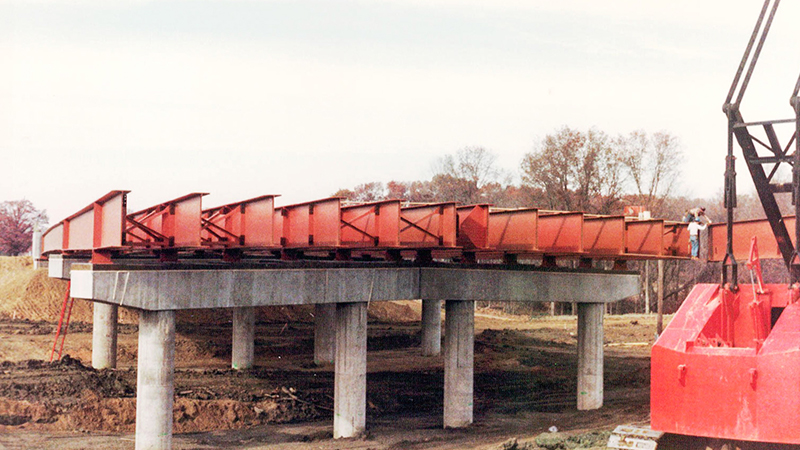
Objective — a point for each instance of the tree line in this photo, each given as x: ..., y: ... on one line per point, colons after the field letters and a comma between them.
x: 569, y: 170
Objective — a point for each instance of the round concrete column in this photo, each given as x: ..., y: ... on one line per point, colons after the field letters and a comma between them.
x: 104, y: 335
x: 350, y: 382
x: 459, y: 347
x: 36, y: 246
x: 244, y: 334
x: 155, y: 380
x: 590, y: 355
x: 431, y: 327
x: 324, y: 333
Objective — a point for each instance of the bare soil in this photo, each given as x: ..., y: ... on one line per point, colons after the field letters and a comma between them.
x: 525, y: 383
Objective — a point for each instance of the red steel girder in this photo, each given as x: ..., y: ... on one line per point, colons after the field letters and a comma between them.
x: 473, y: 231
x: 309, y: 224
x: 429, y: 225
x: 514, y: 230
x: 560, y: 232
x: 604, y: 235
x: 172, y: 224
x: 375, y: 224
x: 473, y: 227
x: 644, y: 237
x: 743, y: 232
x: 676, y: 239
x: 246, y: 223
x: 96, y: 227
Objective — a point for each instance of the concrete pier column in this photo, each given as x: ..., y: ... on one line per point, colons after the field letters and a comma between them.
x: 459, y: 346
x: 590, y: 355
x: 324, y: 333
x: 155, y: 380
x: 36, y: 246
x: 104, y: 335
x: 350, y: 382
x: 431, y: 327
x: 244, y: 334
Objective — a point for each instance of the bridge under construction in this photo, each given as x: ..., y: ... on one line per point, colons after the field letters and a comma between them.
x: 339, y: 257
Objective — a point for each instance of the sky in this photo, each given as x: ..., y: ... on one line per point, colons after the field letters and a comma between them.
x: 301, y: 98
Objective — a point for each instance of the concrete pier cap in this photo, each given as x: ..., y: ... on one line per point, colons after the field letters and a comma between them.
x: 155, y: 290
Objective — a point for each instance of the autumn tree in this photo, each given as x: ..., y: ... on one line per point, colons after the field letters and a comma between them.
x: 464, y: 176
x: 365, y: 192
x: 18, y: 219
x: 652, y: 165
x: 576, y: 170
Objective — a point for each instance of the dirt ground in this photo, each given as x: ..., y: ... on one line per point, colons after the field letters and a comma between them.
x: 525, y: 384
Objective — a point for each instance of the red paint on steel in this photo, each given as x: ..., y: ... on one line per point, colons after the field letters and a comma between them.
x: 60, y: 321
x: 514, y: 230
x: 375, y: 224
x: 429, y: 225
x: 604, y: 235
x: 754, y: 264
x: 97, y: 226
x: 742, y: 233
x: 309, y: 224
x: 644, y: 237
x: 66, y: 327
x: 676, y: 239
x: 473, y: 227
x: 175, y: 223
x: 560, y: 232
x: 241, y: 224
x: 724, y: 368
x: 473, y: 232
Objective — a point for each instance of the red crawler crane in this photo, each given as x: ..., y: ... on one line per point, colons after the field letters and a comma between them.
x: 726, y: 371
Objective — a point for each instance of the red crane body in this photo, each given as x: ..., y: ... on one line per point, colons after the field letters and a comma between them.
x: 728, y: 365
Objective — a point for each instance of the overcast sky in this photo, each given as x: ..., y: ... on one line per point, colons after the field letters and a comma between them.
x: 301, y: 98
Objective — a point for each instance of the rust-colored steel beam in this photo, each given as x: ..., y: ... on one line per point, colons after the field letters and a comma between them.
x: 98, y: 226
x: 560, y: 232
x: 173, y: 224
x: 473, y: 227
x: 743, y: 232
x: 241, y: 224
x: 644, y: 237
x: 676, y: 239
x: 375, y: 224
x: 309, y: 224
x: 429, y: 225
x: 466, y: 233
x: 604, y: 235
x: 514, y: 230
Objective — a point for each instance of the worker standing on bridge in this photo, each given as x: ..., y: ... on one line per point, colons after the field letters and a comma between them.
x: 695, y: 215
x: 694, y: 236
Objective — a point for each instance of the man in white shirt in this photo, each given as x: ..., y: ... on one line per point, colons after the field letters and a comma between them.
x: 694, y: 236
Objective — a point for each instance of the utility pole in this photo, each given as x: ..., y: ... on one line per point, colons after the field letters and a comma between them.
x: 660, y: 320
x: 647, y: 287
